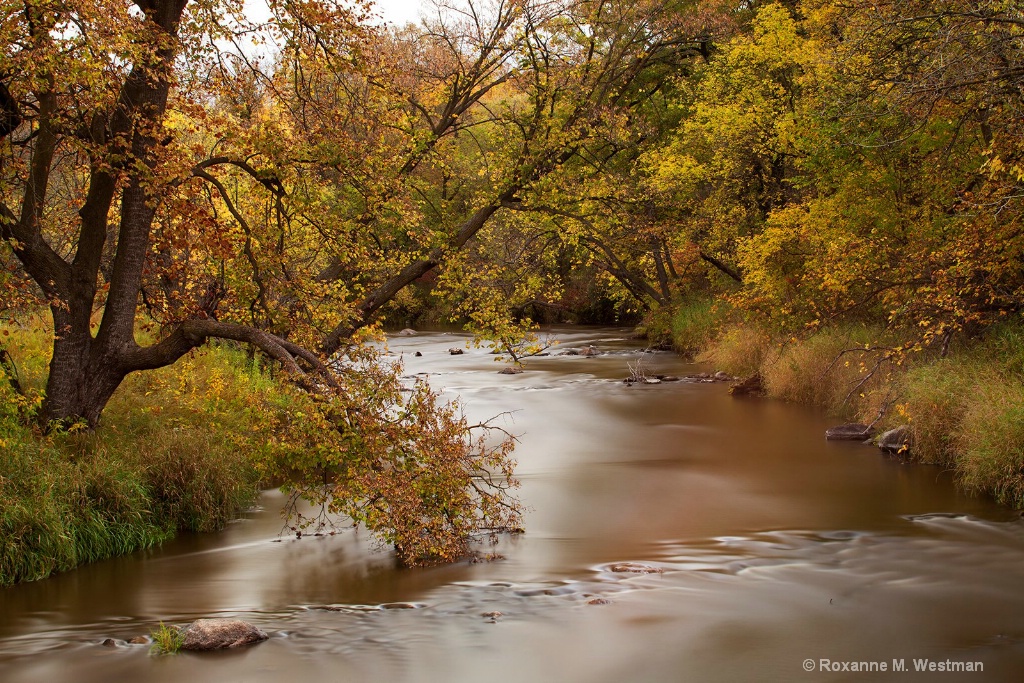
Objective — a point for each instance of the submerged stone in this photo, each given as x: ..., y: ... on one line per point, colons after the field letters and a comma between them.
x: 849, y: 432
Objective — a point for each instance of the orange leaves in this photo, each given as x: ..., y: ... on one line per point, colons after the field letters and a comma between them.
x: 396, y: 460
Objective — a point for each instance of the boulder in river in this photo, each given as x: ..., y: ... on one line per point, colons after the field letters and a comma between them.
x: 724, y: 377
x: 897, y: 440
x: 589, y: 351
x: 455, y: 351
x: 510, y: 371
x: 408, y: 332
x: 218, y: 634
x: 854, y: 431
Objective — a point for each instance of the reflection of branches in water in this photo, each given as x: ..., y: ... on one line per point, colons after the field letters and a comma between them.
x: 297, y: 523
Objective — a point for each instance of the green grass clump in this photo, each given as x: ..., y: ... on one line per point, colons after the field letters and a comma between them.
x: 991, y: 441
x: 167, y: 640
x: 695, y: 325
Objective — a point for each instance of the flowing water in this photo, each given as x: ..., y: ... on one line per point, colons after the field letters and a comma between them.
x: 756, y: 546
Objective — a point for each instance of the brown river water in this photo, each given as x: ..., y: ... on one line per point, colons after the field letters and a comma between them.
x: 781, y: 557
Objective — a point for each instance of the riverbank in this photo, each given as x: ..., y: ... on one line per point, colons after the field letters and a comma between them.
x: 964, y: 407
x: 179, y: 451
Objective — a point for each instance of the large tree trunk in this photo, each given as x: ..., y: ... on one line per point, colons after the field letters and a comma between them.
x: 85, y: 371
x: 79, y: 386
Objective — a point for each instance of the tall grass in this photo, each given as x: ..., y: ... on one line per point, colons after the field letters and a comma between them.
x: 695, y: 324
x: 991, y: 442
x: 967, y: 414
x: 832, y: 368
x: 741, y: 350
x: 178, y: 450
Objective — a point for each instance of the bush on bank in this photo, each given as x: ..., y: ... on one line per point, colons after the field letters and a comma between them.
x: 966, y: 410
x: 179, y: 451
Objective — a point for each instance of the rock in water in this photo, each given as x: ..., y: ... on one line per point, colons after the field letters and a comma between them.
x: 407, y: 332
x: 510, y: 371
x: 849, y: 432
x: 751, y: 386
x: 219, y: 634
x: 455, y: 351
x: 897, y: 440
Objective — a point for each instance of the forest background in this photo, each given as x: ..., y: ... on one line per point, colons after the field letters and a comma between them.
x: 205, y: 216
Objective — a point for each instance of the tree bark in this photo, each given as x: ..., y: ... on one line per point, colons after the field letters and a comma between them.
x: 85, y: 371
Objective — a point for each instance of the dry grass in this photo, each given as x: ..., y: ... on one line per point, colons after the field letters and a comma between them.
x: 832, y: 369
x: 740, y: 351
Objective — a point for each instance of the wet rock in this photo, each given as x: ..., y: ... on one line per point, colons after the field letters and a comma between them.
x: 510, y: 371
x: 218, y: 634
x: 634, y: 568
x: 751, y: 386
x: 854, y: 431
x: 897, y: 440
x: 651, y: 380
x: 140, y: 640
x: 110, y: 642
x: 570, y: 352
x: 418, y: 354
x: 599, y: 601
x: 723, y: 377
x: 669, y: 378
x: 408, y: 332
x: 590, y: 351
x: 492, y: 615
x: 455, y: 351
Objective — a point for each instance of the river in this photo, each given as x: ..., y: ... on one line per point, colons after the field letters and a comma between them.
x: 769, y: 555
